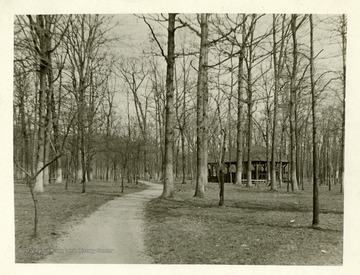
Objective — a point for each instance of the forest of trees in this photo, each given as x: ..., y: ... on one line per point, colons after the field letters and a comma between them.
x: 92, y: 100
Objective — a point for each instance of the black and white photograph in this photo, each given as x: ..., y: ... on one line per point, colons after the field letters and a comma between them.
x: 207, y: 140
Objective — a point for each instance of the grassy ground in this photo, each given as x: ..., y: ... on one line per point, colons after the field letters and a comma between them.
x: 59, y: 210
x: 256, y: 227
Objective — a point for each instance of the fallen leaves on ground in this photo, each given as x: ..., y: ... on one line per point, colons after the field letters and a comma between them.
x: 257, y: 227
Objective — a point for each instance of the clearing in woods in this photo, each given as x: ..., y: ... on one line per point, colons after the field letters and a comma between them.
x: 256, y: 227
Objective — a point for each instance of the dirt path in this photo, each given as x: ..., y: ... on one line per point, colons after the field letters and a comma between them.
x: 112, y: 234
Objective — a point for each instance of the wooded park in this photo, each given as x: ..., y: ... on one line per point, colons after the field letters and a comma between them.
x: 225, y: 112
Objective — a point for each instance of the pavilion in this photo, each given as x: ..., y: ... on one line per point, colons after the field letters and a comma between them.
x: 259, y: 167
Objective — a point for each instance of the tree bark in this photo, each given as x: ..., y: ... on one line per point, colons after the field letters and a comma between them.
x: 276, y: 88
x: 229, y: 118
x: 240, y: 92
x: 315, y: 221
x: 343, y: 31
x: 202, y: 90
x: 250, y: 100
x: 40, y: 32
x: 55, y: 121
x: 168, y: 190
x: 36, y: 124
x: 48, y: 121
x: 46, y: 174
x: 293, y: 174
x: 221, y: 169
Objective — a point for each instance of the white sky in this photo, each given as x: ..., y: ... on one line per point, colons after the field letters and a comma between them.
x: 135, y: 35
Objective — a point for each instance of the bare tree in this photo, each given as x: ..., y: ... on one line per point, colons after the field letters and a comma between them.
x: 40, y: 30
x: 222, y: 168
x: 181, y: 108
x: 201, y: 111
x: 343, y: 33
x: 135, y: 74
x: 168, y: 190
x: 278, y: 63
x: 250, y: 60
x: 86, y: 40
x: 293, y: 90
x: 240, y: 106
x: 158, y: 92
x: 315, y: 222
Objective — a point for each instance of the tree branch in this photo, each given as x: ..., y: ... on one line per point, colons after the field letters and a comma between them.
x: 155, y: 38
x: 190, y: 27
x: 22, y: 169
x: 47, y: 164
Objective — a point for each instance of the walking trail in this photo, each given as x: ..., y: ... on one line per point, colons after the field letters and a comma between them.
x: 114, y: 233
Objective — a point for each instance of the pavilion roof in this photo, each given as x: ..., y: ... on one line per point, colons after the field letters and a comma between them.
x: 258, y: 153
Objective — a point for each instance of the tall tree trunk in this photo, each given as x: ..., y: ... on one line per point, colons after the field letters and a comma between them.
x: 268, y: 152
x: 182, y: 129
x: 249, y: 142
x: 329, y: 166
x: 24, y: 130
x: 202, y: 91
x: 183, y: 156
x: 221, y: 169
x: 55, y: 121
x: 158, y: 164
x: 229, y: 117
x: 297, y: 140
x: 239, y: 137
x: 276, y: 88
x: 293, y: 174
x: 83, y: 163
x: 43, y: 67
x: 122, y: 180
x: 315, y: 221
x: 107, y: 170
x: 343, y: 31
x: 46, y: 174
x: 29, y: 181
x: 36, y: 123
x: 250, y: 98
x: 168, y: 190
x: 81, y: 125
x: 280, y: 156
x: 79, y: 160
x: 48, y: 122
